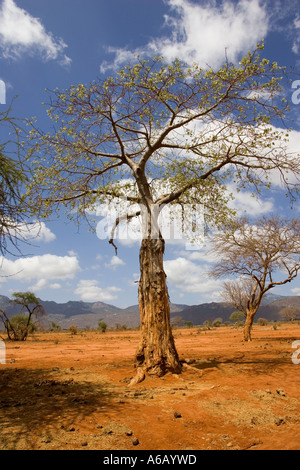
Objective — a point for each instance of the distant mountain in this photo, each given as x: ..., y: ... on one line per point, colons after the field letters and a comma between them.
x: 269, y: 310
x: 198, y: 314
x: 270, y: 298
x: 88, y: 314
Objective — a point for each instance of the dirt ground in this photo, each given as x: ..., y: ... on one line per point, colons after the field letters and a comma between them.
x: 61, y: 391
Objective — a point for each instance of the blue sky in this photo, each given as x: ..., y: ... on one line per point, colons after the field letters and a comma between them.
x: 56, y: 43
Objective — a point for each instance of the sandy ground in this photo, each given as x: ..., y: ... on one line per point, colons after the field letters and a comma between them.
x: 59, y: 391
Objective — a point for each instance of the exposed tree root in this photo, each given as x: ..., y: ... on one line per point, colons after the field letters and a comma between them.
x: 141, y: 373
x: 138, y: 378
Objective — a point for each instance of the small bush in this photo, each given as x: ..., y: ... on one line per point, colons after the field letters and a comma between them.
x: 73, y: 329
x: 207, y: 324
x: 102, y: 326
x: 262, y: 322
x: 238, y: 318
x: 18, y: 327
x: 55, y: 327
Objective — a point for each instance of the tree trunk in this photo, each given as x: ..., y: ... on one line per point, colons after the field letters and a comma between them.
x: 156, y: 353
x: 248, y: 324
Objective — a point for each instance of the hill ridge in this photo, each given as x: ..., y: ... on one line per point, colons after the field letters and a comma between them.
x: 88, y: 314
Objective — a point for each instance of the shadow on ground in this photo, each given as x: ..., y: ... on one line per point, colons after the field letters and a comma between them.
x: 259, y: 365
x: 32, y: 401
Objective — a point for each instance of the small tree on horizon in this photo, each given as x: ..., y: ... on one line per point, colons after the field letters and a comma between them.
x: 238, y: 317
x: 19, y: 326
x: 263, y: 255
x: 290, y: 313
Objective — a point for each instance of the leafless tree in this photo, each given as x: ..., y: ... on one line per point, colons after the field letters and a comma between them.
x: 263, y: 255
x: 290, y: 313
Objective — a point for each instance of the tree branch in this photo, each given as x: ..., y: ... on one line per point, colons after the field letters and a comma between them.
x: 126, y: 217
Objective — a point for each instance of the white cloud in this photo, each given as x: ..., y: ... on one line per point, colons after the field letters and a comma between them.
x: 39, y: 285
x: 203, y: 32
x: 44, y: 284
x: 22, y: 33
x: 245, y: 203
x: 40, y: 268
x: 36, y: 231
x: 296, y: 291
x: 72, y: 253
x: 89, y: 291
x: 292, y: 150
x: 55, y: 285
x: 296, y: 44
x: 115, y: 262
x: 188, y: 276
x: 204, y: 255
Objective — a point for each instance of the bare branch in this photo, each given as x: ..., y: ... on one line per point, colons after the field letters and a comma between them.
x: 126, y: 217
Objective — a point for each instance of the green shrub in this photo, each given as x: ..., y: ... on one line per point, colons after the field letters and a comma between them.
x: 19, y: 327
x: 238, y: 318
x: 102, y: 326
x: 217, y: 322
x: 55, y: 327
x: 188, y: 324
x: 262, y: 322
x: 73, y: 329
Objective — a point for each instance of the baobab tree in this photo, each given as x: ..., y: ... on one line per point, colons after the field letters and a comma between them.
x: 191, y: 129
x: 263, y: 255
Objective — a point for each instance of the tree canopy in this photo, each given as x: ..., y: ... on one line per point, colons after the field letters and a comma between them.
x: 191, y: 129
x: 13, y: 208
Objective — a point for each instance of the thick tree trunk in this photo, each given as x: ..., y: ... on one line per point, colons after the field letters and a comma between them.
x: 248, y: 324
x: 156, y: 353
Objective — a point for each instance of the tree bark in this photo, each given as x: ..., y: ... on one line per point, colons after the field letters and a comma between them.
x: 156, y: 353
x: 248, y: 324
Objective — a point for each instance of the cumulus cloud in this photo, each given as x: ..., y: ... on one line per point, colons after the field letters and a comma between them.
x: 36, y: 231
x: 204, y: 33
x: 188, y: 276
x: 22, y: 33
x: 90, y: 291
x: 40, y: 268
x: 44, y: 284
x: 296, y: 43
x: 200, y: 33
x: 245, y: 203
x: 115, y: 261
